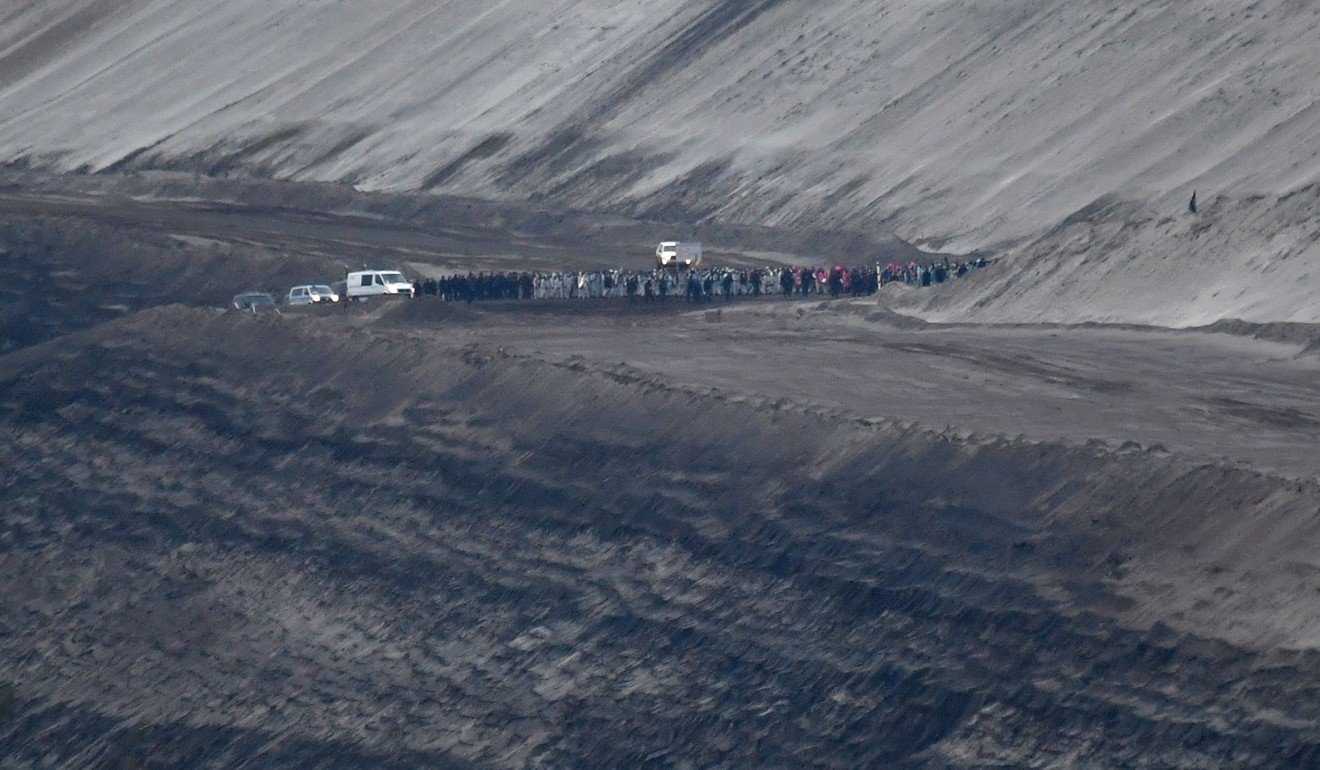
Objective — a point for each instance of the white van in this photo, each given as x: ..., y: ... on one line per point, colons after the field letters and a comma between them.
x: 675, y: 253
x: 370, y: 283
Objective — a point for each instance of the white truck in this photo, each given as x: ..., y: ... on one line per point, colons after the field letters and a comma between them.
x: 676, y: 253
x: 370, y: 283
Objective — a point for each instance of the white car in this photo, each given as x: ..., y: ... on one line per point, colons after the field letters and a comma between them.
x: 371, y: 283
x: 674, y: 253
x: 310, y: 294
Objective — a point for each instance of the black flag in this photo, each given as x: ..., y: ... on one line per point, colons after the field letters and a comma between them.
x: 1192, y: 206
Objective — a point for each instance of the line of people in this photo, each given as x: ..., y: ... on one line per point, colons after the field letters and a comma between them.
x: 696, y: 285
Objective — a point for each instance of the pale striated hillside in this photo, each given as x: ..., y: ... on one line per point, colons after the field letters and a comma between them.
x: 958, y: 125
x: 1255, y: 258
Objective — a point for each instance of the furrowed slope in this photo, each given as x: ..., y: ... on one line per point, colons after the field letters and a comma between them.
x: 239, y: 537
x: 1253, y: 258
x: 957, y: 124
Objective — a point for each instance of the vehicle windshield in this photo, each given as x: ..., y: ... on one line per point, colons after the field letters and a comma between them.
x: 322, y: 290
x: 394, y: 278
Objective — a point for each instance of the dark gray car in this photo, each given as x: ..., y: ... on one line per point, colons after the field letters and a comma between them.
x: 255, y: 301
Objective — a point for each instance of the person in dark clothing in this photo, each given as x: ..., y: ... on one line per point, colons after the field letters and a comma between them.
x: 630, y: 286
x: 786, y: 283
x: 925, y: 277
x: 727, y: 285
x: 708, y: 287
x: 648, y: 290
x: 693, y: 288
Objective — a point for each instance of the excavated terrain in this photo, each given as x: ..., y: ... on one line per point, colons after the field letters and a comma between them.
x: 1062, y: 512
x: 597, y: 534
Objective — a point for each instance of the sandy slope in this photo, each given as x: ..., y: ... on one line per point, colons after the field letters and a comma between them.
x: 1255, y: 258
x: 958, y: 123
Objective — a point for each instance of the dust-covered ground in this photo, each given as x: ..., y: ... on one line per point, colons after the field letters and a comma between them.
x: 599, y: 534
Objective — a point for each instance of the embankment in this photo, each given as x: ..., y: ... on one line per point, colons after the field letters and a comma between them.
x: 239, y: 537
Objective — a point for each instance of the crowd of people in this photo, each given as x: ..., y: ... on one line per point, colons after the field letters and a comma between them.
x: 696, y: 285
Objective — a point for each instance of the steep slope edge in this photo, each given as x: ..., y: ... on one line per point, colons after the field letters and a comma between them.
x: 399, y: 546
